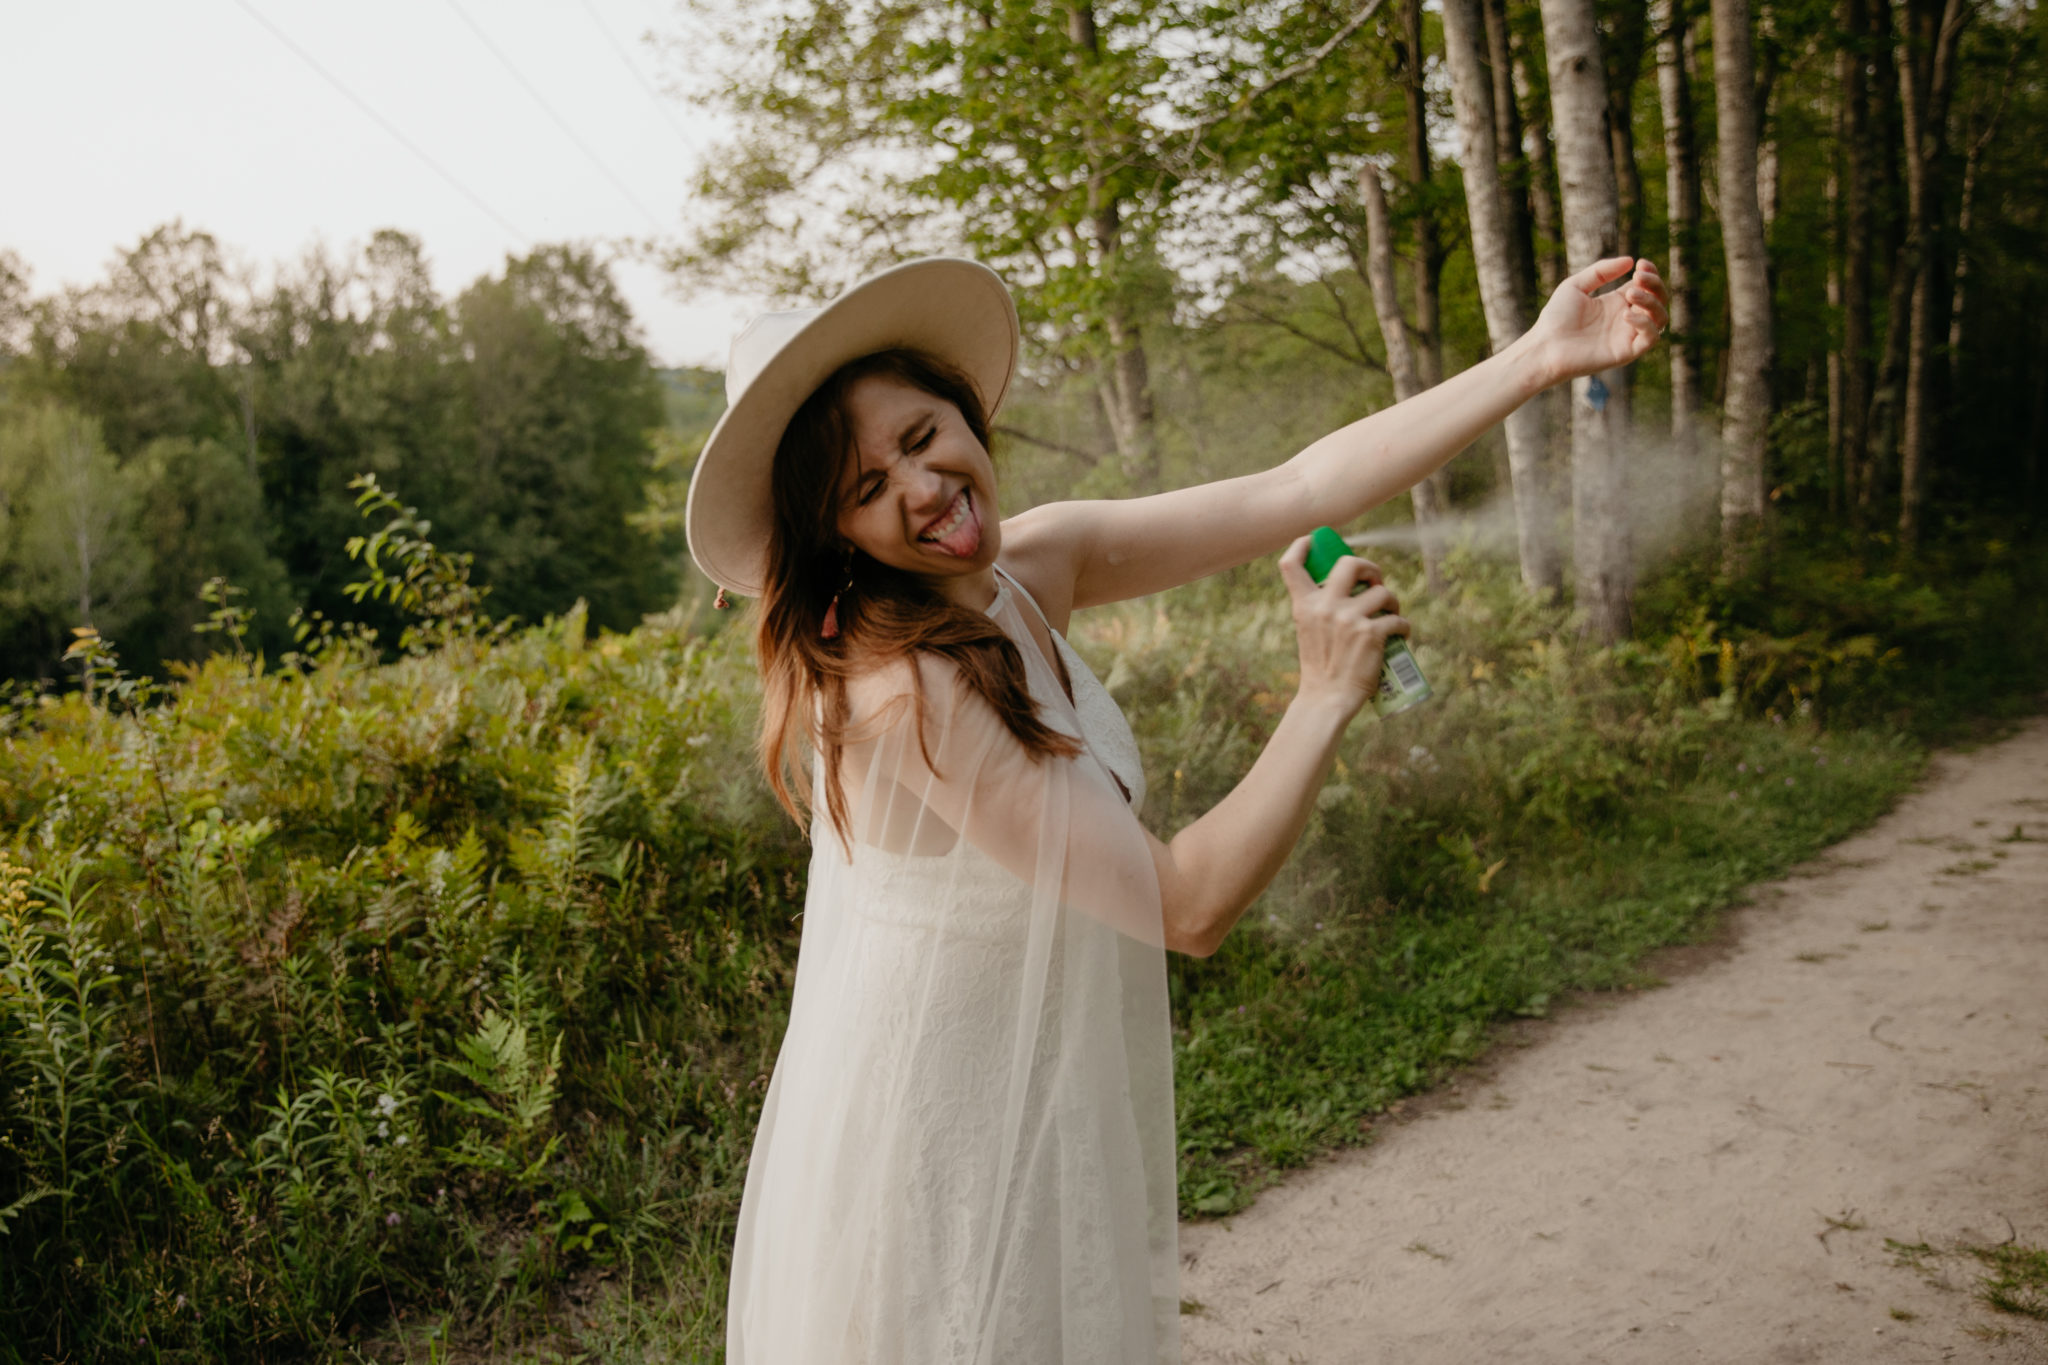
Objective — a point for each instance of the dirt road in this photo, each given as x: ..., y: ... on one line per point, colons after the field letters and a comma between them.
x: 1786, y: 1154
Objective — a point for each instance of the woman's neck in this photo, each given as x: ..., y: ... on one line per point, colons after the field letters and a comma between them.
x: 975, y: 591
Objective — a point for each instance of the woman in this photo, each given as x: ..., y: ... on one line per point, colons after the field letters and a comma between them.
x: 966, y: 1152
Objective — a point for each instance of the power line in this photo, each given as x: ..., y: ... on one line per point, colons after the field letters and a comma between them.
x: 653, y: 95
x: 386, y: 124
x: 560, y: 122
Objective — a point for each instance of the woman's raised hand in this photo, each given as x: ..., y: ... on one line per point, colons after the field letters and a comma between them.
x: 1343, y: 643
x: 1582, y: 334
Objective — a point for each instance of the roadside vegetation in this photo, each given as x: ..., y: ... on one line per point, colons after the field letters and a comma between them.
x: 389, y: 1005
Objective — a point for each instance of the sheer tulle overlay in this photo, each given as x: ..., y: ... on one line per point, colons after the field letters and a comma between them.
x: 966, y: 1153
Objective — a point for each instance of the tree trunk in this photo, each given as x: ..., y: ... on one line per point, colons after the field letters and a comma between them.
x: 1926, y: 80
x: 1126, y: 390
x: 1682, y: 193
x: 1858, y: 226
x: 1536, y: 151
x: 1832, y: 195
x: 1960, y: 295
x: 1627, y: 28
x: 1971, y: 160
x: 1493, y: 256
x: 1430, y: 252
x: 1401, y: 355
x: 1600, y: 403
x: 1507, y: 144
x: 1886, y: 137
x: 1746, y: 417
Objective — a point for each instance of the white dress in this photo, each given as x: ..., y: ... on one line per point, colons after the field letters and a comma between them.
x: 966, y: 1153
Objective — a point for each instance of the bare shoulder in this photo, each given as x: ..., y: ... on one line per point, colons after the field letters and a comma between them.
x: 889, y: 691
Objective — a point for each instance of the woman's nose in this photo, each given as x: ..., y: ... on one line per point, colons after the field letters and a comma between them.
x: 923, y: 489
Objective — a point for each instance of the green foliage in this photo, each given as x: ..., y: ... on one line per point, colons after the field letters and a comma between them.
x: 168, y: 426
x: 353, y: 985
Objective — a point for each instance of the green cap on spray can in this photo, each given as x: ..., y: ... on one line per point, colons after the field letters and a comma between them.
x: 1401, y: 682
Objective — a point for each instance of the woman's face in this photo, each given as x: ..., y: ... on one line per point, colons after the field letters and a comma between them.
x: 919, y: 493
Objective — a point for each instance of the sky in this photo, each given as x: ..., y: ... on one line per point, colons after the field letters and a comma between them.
x: 126, y: 115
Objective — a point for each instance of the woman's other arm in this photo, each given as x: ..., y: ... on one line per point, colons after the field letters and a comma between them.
x: 1216, y: 867
x: 1112, y: 550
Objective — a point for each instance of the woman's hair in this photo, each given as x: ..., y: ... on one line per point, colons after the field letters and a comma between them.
x: 885, y: 616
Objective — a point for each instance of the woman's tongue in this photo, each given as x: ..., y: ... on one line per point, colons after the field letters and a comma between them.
x: 963, y: 540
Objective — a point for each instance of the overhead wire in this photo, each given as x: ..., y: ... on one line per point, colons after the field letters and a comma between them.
x: 625, y: 60
x: 386, y: 124
x: 589, y: 153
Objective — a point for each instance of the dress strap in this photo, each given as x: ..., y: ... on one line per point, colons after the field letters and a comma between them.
x: 1025, y: 593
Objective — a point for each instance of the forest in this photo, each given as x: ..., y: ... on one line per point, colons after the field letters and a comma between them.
x: 395, y: 934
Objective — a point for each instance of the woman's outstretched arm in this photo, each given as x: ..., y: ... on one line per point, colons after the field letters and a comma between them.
x: 1112, y: 550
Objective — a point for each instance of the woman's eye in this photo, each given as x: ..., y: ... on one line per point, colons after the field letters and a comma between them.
x: 868, y: 491
x: 921, y: 442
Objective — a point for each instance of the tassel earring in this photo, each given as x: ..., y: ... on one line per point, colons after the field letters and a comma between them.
x: 829, y: 630
x: 721, y: 602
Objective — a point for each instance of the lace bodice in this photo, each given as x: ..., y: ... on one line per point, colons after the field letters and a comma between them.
x: 1103, y: 727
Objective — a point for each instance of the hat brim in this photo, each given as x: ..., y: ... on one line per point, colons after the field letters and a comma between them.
x: 957, y: 310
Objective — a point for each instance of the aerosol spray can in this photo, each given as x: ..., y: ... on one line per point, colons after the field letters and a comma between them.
x: 1401, y: 682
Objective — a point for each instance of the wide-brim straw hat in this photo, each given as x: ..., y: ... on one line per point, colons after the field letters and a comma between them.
x: 956, y: 310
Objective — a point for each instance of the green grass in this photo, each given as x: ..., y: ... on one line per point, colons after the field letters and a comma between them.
x: 2018, y: 1280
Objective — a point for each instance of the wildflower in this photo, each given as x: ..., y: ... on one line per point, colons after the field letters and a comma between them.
x: 1319, y: 924
x: 1731, y: 796
x: 401, y: 1140
x: 1788, y: 781
x: 387, y: 1105
x: 384, y: 1129
x: 179, y: 1305
x: 391, y: 1219
x: 697, y: 741
x: 1742, y: 767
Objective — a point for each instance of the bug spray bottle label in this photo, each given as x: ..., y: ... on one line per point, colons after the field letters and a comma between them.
x: 1401, y: 682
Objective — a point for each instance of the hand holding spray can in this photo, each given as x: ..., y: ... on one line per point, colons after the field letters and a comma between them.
x: 1401, y: 682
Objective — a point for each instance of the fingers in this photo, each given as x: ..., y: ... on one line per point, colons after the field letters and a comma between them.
x: 1648, y: 297
x: 1350, y: 571
x: 1294, y: 569
x: 1601, y: 272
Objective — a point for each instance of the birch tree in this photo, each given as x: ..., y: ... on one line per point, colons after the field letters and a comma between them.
x: 1682, y: 197
x: 1601, y: 542
x: 1501, y: 293
x: 1510, y: 155
x: 1404, y: 365
x: 1933, y: 32
x: 1746, y: 413
x: 1858, y: 225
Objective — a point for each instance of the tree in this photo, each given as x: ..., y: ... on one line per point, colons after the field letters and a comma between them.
x: 561, y: 401
x: 1501, y: 291
x: 1858, y: 225
x: 1031, y: 134
x: 1509, y: 154
x: 71, y: 550
x: 1933, y: 31
x: 1746, y: 414
x: 1601, y: 538
x: 1682, y: 200
x: 1403, y: 363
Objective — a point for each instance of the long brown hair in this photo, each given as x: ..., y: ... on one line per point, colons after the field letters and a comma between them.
x: 886, y: 615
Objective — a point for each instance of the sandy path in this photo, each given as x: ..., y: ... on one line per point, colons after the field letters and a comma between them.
x: 1647, y: 1178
